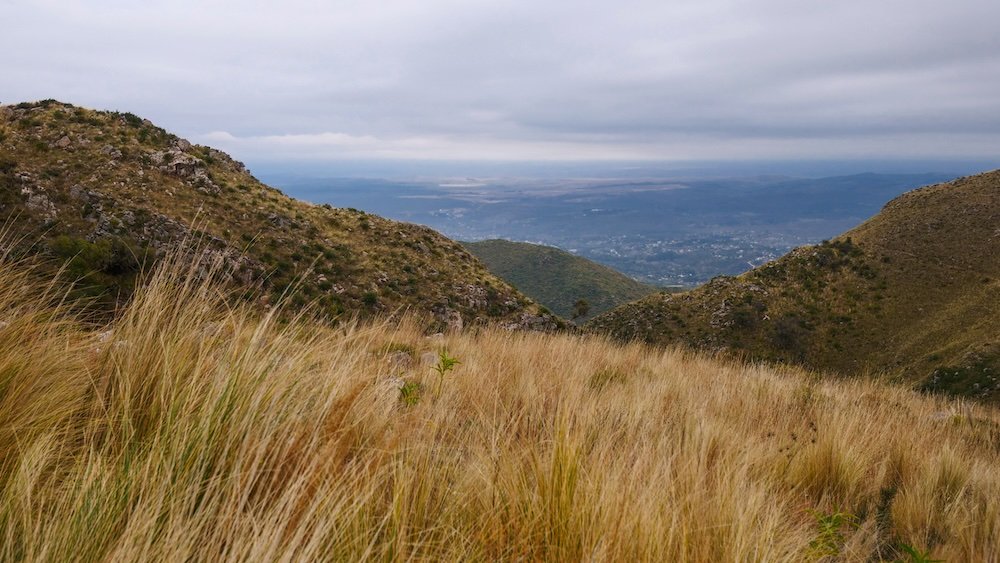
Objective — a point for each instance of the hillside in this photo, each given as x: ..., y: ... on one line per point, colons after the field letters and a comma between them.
x: 558, y: 279
x: 111, y: 193
x: 191, y: 430
x: 914, y: 292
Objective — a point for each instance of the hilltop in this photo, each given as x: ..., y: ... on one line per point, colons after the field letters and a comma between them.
x: 558, y: 279
x: 110, y: 193
x: 914, y: 292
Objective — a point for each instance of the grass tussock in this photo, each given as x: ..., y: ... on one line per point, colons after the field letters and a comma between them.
x: 192, y: 430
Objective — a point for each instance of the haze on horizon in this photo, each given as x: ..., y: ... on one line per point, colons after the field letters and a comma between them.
x: 314, y: 82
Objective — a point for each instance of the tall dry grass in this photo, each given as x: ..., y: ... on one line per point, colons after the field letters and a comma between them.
x: 190, y: 429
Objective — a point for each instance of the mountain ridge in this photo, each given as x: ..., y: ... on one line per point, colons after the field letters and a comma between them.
x: 105, y: 192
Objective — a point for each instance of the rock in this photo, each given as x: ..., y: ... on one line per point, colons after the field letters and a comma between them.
x: 428, y: 358
x: 451, y: 318
x: 64, y: 142
x: 183, y: 144
x: 401, y: 359
x: 476, y: 297
x: 533, y: 323
x: 387, y: 390
x: 279, y: 221
x: 39, y: 202
x: 454, y: 321
x: 111, y: 151
x: 177, y: 163
x: 204, y: 183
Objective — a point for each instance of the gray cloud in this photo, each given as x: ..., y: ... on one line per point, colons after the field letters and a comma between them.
x: 449, y: 79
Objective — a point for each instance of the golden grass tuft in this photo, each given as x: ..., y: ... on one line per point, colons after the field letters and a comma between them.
x: 190, y: 429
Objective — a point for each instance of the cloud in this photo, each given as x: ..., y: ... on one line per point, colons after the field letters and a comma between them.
x: 477, y: 79
x: 342, y: 146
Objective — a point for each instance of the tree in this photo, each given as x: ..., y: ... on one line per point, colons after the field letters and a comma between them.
x: 580, y: 308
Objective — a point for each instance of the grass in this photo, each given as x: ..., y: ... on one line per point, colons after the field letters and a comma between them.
x: 192, y: 429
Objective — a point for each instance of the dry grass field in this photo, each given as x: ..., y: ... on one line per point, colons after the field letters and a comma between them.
x: 190, y: 429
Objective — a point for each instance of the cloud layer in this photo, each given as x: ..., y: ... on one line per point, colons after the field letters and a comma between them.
x: 519, y: 80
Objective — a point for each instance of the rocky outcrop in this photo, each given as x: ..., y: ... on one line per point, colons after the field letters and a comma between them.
x: 177, y: 162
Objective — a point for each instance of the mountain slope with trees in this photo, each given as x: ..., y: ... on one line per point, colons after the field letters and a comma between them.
x: 571, y: 286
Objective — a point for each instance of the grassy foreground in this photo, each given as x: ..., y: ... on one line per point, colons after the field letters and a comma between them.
x: 190, y: 430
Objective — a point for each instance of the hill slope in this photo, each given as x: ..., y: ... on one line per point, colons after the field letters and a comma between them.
x: 189, y: 429
x: 914, y: 292
x: 111, y: 192
x: 556, y: 278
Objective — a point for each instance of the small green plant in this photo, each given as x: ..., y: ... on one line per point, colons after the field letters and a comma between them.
x: 916, y: 555
x: 410, y: 392
x: 830, y: 537
x: 445, y: 364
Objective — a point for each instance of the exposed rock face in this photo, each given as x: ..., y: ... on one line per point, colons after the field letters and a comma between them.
x: 535, y: 323
x: 454, y: 321
x: 111, y: 151
x: 36, y: 198
x: 190, y: 168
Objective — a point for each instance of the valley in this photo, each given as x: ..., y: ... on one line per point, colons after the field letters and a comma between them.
x: 666, y: 231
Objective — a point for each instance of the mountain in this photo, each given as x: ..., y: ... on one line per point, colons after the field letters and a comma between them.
x: 558, y: 279
x: 108, y: 193
x: 913, y: 292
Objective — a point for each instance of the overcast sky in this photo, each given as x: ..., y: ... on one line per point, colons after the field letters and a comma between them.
x: 527, y: 80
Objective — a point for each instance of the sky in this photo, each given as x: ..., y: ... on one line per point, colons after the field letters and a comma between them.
x: 581, y: 80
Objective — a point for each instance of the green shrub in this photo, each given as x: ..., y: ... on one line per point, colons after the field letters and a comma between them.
x: 829, y: 540
x: 106, y: 269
